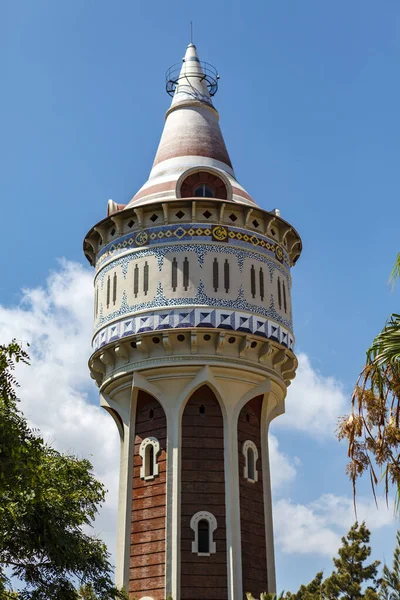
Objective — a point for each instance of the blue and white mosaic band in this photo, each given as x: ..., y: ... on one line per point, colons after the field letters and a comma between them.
x: 194, y: 317
x: 195, y: 232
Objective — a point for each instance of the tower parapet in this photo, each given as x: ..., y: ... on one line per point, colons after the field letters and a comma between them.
x: 193, y: 350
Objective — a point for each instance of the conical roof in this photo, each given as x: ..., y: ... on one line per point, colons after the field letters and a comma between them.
x: 192, y: 137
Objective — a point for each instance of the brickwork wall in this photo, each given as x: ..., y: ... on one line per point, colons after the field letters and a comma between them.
x: 252, y: 522
x: 203, y: 488
x: 147, y: 562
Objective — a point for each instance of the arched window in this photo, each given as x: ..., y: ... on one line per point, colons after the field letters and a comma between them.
x: 204, y: 191
x: 204, y: 184
x: 250, y: 454
x: 149, y: 449
x: 203, y: 524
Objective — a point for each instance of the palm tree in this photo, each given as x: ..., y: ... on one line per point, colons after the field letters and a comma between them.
x: 372, y: 429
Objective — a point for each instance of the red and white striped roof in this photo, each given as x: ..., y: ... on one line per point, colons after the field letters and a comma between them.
x: 191, y: 140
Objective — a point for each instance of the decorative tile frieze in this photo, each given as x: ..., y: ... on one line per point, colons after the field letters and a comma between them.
x: 201, y: 250
x: 196, y: 232
x: 202, y: 299
x: 180, y: 318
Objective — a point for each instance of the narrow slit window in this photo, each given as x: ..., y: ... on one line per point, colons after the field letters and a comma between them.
x: 261, y: 284
x: 250, y: 463
x: 185, y: 273
x: 96, y: 303
x: 114, y: 288
x: 284, y: 297
x: 215, y: 275
x: 149, y: 461
x: 279, y: 294
x: 108, y: 291
x: 204, y: 536
x: 253, y: 281
x: 136, y: 281
x: 145, y: 278
x: 174, y: 276
x: 226, y: 275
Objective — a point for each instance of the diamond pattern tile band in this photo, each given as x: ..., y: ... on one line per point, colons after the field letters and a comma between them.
x: 194, y: 317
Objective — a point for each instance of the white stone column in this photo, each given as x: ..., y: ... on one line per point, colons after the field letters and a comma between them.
x: 232, y: 506
x: 123, y: 402
x: 271, y: 408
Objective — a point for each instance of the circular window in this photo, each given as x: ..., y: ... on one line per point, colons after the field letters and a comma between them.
x: 204, y: 191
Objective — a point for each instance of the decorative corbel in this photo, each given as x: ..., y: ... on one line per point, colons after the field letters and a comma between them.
x: 279, y: 358
x: 100, y: 229
x: 107, y: 358
x: 165, y: 211
x: 287, y: 367
x: 221, y: 339
x: 266, y: 350
x: 193, y: 342
x: 286, y: 231
x: 244, y: 346
x: 270, y: 223
x: 117, y: 219
x: 139, y: 214
x: 141, y: 345
x: 194, y: 211
x: 121, y: 350
x: 249, y: 212
x: 221, y: 212
x: 167, y: 343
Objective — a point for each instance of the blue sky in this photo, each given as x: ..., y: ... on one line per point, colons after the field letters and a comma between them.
x: 308, y: 98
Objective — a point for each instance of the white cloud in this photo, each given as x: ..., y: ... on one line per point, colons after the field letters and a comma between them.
x: 283, y: 469
x: 316, y: 528
x: 299, y: 529
x: 56, y: 389
x: 314, y: 402
x: 60, y: 399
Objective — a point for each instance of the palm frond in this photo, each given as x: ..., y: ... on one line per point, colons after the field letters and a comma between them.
x: 395, y: 274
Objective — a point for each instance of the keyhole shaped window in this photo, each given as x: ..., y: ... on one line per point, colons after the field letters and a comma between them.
x: 149, y: 449
x: 204, y: 537
x: 203, y: 524
x: 204, y: 191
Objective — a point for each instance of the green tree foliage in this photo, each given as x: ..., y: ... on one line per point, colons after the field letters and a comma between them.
x: 310, y: 591
x: 390, y: 586
x: 372, y: 429
x: 353, y: 578
x: 46, y: 500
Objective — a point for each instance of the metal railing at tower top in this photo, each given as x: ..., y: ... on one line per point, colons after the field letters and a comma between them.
x: 209, y: 74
